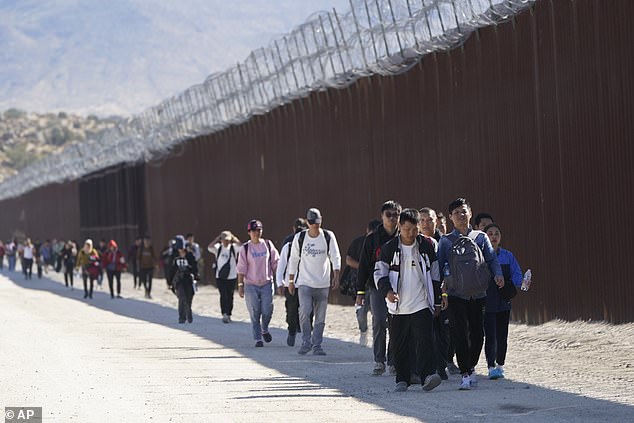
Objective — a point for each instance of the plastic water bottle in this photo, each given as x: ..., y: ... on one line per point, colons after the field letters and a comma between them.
x: 526, y: 282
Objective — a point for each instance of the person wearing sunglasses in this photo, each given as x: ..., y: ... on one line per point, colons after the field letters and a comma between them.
x: 390, y: 212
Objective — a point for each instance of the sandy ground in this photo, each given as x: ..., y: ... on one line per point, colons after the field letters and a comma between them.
x: 129, y: 360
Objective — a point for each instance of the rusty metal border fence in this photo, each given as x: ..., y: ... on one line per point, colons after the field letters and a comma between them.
x: 531, y: 120
x: 330, y: 49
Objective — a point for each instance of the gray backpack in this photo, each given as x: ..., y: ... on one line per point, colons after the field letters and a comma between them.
x: 470, y: 274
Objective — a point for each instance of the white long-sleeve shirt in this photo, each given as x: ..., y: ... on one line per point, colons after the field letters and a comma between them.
x: 314, y: 262
x: 281, y: 266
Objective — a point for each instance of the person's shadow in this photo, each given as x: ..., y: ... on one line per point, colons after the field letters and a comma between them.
x: 345, y: 372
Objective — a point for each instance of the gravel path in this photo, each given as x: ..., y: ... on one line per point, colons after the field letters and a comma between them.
x: 129, y: 360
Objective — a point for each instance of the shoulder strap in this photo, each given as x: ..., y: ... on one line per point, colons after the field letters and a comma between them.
x: 327, y: 236
x: 473, y: 235
x: 246, y: 248
x: 231, y: 251
x: 302, y: 236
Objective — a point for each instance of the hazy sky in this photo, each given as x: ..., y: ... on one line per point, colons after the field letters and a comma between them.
x: 121, y: 56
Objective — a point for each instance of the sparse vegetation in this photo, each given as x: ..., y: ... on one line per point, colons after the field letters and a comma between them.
x: 18, y: 157
x: 14, y: 114
x: 27, y: 137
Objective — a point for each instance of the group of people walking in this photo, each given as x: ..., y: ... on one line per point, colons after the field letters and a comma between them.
x: 90, y: 262
x: 436, y: 294
x: 431, y: 294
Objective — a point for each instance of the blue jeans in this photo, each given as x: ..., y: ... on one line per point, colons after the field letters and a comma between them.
x: 312, y: 300
x: 362, y: 313
x: 259, y: 301
x: 379, y: 328
x: 11, y: 263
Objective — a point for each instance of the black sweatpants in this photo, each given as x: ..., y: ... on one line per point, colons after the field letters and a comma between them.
x: 496, y: 331
x: 135, y: 273
x: 145, y: 279
x: 441, y: 339
x: 292, y: 312
x: 113, y: 274
x: 86, y: 278
x: 226, y: 287
x: 185, y: 293
x: 467, y: 331
x: 416, y: 329
x: 68, y: 275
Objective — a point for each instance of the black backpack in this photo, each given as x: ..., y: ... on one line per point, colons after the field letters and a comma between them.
x: 470, y: 273
x: 223, y: 273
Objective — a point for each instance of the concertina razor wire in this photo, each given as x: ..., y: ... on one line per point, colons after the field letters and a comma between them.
x: 330, y: 49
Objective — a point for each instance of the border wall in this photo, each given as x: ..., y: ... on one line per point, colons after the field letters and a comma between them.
x: 531, y: 120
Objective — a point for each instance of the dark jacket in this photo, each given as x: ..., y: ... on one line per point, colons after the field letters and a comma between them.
x: 369, y: 256
x: 183, y: 269
x: 427, y: 250
x: 512, y: 274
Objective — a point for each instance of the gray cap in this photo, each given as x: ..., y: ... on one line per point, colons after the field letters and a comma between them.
x: 313, y: 215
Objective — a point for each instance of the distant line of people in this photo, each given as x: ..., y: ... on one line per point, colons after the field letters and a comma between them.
x: 436, y: 294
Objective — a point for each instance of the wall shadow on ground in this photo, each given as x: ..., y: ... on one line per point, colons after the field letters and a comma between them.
x: 491, y: 401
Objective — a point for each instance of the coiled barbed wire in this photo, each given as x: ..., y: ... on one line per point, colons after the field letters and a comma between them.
x: 330, y: 49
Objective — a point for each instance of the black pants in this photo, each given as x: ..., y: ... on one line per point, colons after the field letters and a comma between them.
x: 135, y: 273
x: 416, y: 329
x: 467, y: 331
x: 27, y: 267
x: 86, y: 278
x: 145, y: 278
x: 226, y: 288
x: 185, y: 293
x: 68, y: 276
x: 112, y: 274
x: 496, y: 331
x: 441, y: 339
x: 292, y: 312
x: 39, y: 270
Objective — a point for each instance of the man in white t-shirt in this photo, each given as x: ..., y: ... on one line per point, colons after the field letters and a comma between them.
x: 407, y: 275
x: 225, y: 248
x: 314, y: 269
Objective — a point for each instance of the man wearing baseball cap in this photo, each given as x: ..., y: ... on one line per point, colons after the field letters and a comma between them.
x: 257, y: 263
x: 313, y: 268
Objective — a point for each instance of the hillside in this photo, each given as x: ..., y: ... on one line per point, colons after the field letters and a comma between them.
x: 26, y: 137
x: 122, y: 56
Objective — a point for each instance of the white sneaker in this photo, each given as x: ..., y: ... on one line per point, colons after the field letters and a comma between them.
x: 500, y: 370
x: 363, y: 338
x: 473, y: 380
x: 431, y: 382
x: 401, y: 387
x: 379, y: 369
x: 465, y: 383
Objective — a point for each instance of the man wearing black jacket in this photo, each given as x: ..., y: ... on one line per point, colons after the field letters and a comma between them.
x: 407, y: 276
x: 390, y: 212
x: 185, y: 272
